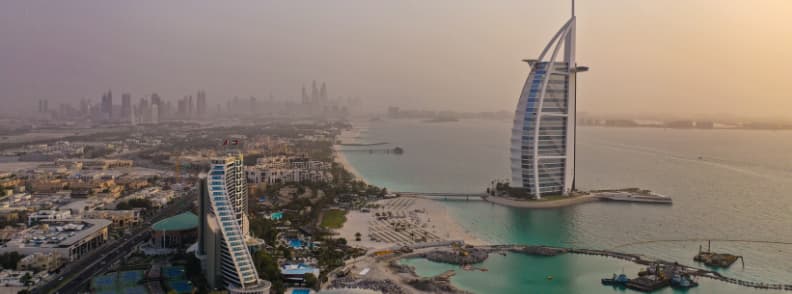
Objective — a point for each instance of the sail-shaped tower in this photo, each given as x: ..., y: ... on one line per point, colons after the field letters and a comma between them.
x: 543, y: 135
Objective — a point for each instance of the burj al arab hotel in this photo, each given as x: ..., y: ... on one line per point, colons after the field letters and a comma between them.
x: 543, y: 136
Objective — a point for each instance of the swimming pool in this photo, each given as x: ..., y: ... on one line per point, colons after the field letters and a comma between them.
x: 301, y: 291
x: 296, y: 243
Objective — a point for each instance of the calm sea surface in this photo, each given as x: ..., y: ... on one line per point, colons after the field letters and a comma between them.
x: 726, y: 185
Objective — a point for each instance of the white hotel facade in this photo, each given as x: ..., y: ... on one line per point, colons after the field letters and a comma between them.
x: 224, y: 239
x: 543, y: 134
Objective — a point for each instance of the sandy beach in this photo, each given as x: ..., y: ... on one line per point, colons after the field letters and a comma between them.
x: 341, y: 158
x: 427, y: 220
x: 417, y: 220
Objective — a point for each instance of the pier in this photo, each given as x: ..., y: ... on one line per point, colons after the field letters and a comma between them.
x: 702, y: 240
x: 688, y: 269
x: 396, y: 150
x: 625, y: 195
x: 362, y: 144
x: 445, y: 196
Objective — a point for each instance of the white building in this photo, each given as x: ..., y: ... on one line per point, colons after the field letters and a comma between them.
x: 70, y: 238
x: 282, y: 169
x: 543, y: 135
x: 48, y: 215
x: 223, y: 246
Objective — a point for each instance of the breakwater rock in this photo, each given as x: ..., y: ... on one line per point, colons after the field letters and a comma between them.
x: 384, y: 286
x: 458, y: 257
x: 540, y: 250
x: 437, y: 284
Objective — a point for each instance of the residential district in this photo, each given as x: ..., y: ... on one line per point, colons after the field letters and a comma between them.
x: 178, y: 207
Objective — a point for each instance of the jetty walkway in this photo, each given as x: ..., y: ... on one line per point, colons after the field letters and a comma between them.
x: 701, y: 240
x: 445, y: 195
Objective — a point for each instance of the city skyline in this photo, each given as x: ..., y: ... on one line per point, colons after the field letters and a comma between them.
x: 465, y: 61
x: 348, y: 146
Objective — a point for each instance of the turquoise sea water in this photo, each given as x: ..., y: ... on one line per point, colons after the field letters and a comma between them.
x: 518, y: 273
x: 726, y: 184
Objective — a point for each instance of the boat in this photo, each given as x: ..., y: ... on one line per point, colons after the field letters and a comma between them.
x: 682, y: 282
x: 619, y: 280
x: 635, y: 197
x: 549, y: 278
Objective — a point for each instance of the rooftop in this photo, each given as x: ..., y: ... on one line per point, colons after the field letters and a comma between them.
x: 57, y: 233
x: 181, y: 222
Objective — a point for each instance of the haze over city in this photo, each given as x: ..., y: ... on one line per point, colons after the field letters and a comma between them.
x: 395, y: 147
x: 670, y: 57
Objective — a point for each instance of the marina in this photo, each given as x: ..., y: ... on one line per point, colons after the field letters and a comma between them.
x: 714, y: 259
x: 657, y: 274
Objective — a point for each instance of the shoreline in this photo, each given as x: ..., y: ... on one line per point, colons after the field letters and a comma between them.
x: 340, y: 157
x: 519, y: 203
x: 429, y: 217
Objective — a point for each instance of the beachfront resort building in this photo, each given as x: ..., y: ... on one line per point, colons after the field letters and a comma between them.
x: 223, y: 233
x: 543, y: 136
x: 289, y: 169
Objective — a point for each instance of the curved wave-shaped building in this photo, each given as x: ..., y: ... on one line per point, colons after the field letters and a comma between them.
x: 223, y: 245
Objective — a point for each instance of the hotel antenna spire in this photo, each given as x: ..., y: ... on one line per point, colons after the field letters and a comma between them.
x: 573, y: 8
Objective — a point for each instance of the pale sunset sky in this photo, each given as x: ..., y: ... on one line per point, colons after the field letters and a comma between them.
x: 684, y: 57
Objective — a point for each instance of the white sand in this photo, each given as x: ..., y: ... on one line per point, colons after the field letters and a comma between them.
x: 341, y: 159
x: 434, y: 220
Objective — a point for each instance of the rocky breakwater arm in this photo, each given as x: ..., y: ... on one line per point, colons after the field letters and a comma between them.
x: 457, y: 256
x: 437, y: 284
x: 539, y: 250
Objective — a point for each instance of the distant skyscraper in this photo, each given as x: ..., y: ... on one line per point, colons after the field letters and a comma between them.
x: 182, y: 108
x: 126, y: 106
x: 323, y: 93
x: 155, y: 114
x: 201, y: 104
x: 314, y: 92
x: 304, y: 96
x: 107, y: 105
x: 43, y: 106
x: 190, y: 107
x: 83, y: 107
x: 144, y: 111
x: 134, y: 116
x: 155, y: 99
x: 166, y: 109
x: 543, y: 136
x: 223, y: 242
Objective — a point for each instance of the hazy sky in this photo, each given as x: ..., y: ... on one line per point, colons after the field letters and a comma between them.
x: 658, y: 56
